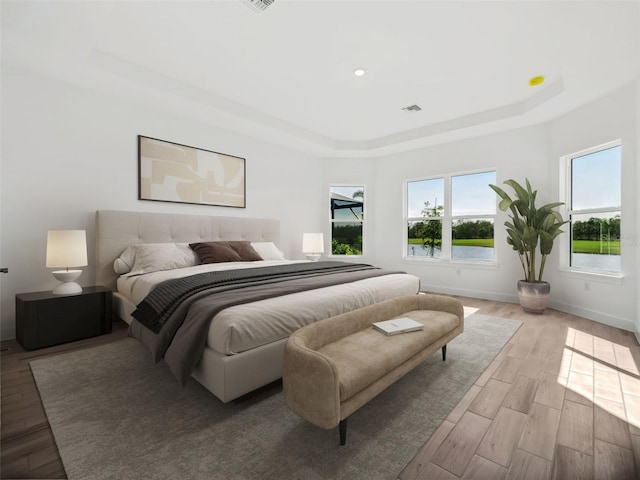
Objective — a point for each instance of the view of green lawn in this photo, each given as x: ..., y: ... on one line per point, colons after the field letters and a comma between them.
x: 595, y: 246
x: 579, y: 246
x: 473, y: 242
x: 418, y: 241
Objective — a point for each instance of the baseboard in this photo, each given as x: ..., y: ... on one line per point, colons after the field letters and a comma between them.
x: 589, y: 314
x: 462, y: 292
x: 596, y: 316
x: 7, y: 334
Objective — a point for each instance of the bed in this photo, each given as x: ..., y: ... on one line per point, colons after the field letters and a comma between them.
x: 244, y: 342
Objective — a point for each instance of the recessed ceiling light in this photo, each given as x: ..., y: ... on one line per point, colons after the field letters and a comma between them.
x: 358, y: 72
x: 535, y: 81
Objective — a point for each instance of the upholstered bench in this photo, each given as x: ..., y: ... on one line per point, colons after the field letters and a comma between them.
x: 335, y: 366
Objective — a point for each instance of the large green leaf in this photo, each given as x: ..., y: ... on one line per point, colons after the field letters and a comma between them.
x: 505, y: 204
x: 515, y: 240
x: 551, y: 206
x: 530, y: 236
x: 520, y: 192
x: 546, y: 243
x: 501, y: 193
x: 529, y: 227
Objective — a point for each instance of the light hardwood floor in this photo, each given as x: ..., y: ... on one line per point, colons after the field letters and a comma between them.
x: 561, y: 401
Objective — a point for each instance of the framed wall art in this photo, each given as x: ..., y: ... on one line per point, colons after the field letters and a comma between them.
x: 171, y: 172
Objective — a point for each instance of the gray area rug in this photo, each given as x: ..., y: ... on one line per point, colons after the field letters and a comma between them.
x: 116, y: 415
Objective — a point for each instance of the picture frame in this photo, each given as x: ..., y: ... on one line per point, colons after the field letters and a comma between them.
x: 172, y: 172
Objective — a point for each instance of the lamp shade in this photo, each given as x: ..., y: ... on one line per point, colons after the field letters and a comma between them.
x: 66, y: 248
x: 312, y: 243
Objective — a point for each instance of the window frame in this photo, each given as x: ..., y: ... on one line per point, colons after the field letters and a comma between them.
x: 567, y: 211
x: 447, y: 220
x: 362, y: 221
x: 444, y: 220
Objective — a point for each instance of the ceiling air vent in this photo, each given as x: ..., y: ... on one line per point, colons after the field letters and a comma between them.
x: 412, y: 108
x: 258, y: 6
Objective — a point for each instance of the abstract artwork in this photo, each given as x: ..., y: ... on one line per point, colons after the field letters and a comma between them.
x: 170, y: 172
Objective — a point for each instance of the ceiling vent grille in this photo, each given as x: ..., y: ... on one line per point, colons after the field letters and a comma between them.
x: 412, y: 108
x: 258, y: 6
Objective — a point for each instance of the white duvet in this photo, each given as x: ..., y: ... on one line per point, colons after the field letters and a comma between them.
x: 251, y: 325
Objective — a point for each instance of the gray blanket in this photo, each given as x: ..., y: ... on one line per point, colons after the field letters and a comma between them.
x: 156, y: 308
x: 182, y: 338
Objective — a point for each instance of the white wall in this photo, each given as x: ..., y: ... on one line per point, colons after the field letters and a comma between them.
x: 509, y: 153
x: 610, y: 118
x: 534, y: 153
x: 67, y: 152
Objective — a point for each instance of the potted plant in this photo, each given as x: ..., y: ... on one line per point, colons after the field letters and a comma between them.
x: 530, y: 229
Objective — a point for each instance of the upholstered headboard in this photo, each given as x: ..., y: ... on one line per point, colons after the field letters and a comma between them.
x: 116, y: 230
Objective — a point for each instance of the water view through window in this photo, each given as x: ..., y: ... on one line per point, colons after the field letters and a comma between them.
x: 473, y: 210
x: 467, y: 214
x: 595, y: 210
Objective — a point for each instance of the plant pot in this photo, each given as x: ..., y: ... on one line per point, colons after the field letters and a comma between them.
x: 533, y: 296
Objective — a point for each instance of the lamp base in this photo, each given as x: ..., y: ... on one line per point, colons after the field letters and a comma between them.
x: 68, y: 286
x: 314, y: 257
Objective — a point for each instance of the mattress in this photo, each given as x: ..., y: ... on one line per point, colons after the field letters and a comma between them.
x: 244, y: 327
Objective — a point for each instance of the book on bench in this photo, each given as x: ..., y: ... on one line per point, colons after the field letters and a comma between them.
x: 397, y: 325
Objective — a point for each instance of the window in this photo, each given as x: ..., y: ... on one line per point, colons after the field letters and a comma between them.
x: 473, y: 212
x: 347, y: 219
x: 451, y: 217
x: 425, y: 214
x: 594, y: 208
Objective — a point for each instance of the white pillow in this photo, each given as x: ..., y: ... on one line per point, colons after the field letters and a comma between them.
x: 124, y: 262
x: 268, y: 250
x: 153, y: 257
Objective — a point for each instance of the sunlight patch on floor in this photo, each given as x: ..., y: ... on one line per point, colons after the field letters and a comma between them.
x: 469, y: 310
x: 603, y: 372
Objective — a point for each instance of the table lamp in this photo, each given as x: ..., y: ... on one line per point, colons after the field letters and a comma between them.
x: 66, y: 248
x: 312, y: 245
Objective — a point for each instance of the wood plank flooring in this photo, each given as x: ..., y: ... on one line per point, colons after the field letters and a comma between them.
x: 560, y: 401
x: 28, y: 449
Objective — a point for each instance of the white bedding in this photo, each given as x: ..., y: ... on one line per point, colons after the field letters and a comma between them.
x: 243, y: 327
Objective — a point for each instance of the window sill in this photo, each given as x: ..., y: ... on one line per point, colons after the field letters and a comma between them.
x: 610, y: 278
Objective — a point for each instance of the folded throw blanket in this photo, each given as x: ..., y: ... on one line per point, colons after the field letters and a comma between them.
x: 166, y: 297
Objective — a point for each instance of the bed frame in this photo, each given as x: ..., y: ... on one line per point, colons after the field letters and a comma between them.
x: 226, y: 376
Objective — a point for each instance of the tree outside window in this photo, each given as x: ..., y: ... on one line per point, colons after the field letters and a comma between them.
x: 425, y: 214
x: 451, y: 217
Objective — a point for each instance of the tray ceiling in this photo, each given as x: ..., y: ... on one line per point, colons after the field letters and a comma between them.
x: 286, y: 74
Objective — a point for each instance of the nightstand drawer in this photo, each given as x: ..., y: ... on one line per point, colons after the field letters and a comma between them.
x: 44, y: 319
x: 59, y: 321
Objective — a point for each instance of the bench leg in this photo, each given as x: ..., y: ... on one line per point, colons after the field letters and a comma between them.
x: 444, y: 353
x: 342, y: 426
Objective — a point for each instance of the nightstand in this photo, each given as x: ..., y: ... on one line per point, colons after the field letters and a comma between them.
x: 44, y: 319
